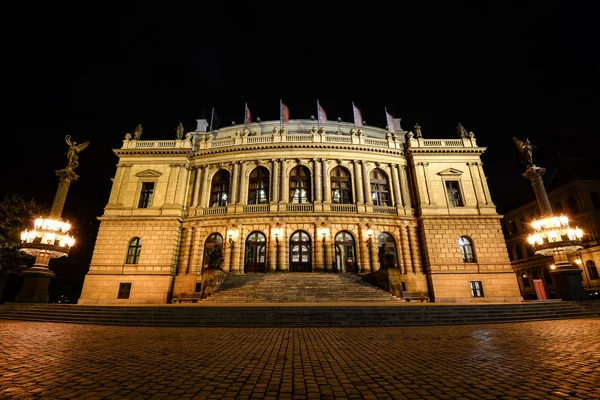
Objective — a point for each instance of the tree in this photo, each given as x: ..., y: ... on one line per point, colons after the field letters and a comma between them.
x: 16, y: 214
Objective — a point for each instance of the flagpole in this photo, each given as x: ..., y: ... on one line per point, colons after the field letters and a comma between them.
x: 353, y: 115
x: 212, y: 115
x: 280, y: 115
x: 318, y: 116
x: 386, y: 114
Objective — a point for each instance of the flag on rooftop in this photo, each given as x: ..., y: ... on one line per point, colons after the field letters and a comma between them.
x: 358, y: 121
x: 390, y: 121
x: 284, y: 113
x: 247, y: 116
x: 321, y: 116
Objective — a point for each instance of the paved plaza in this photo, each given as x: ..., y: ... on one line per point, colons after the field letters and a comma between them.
x: 529, y: 360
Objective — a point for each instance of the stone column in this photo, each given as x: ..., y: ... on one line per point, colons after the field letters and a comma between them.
x: 476, y: 183
x: 188, y: 248
x: 358, y: 182
x: 318, y: 250
x: 171, y: 184
x: 65, y: 176
x: 272, y: 252
x: 205, y: 194
x: 534, y: 174
x: 274, y: 181
x: 364, y: 250
x: 116, y: 186
x: 318, y: 180
x: 415, y: 253
x: 181, y: 189
x: 486, y: 191
x: 124, y: 184
x: 328, y: 253
x: 284, y: 246
x: 326, y: 183
x: 404, y: 247
x: 196, y: 259
x: 234, y: 184
x: 398, y: 201
x: 374, y: 254
x: 283, y: 198
x: 243, y: 184
x: 227, y: 255
x: 197, y: 184
x: 404, y: 186
x: 183, y: 247
x: 366, y: 184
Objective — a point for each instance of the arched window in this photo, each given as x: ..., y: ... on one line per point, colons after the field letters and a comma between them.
x: 256, y: 253
x: 386, y: 244
x: 572, y: 203
x: 466, y: 248
x: 133, y: 251
x: 380, y: 189
x: 558, y: 207
x: 345, y: 253
x: 213, y: 240
x: 529, y: 250
x: 595, y: 200
x: 300, y: 252
x: 220, y: 189
x: 591, y: 270
x: 259, y: 186
x: 300, y: 185
x: 341, y: 186
x: 519, y: 251
x: 547, y: 277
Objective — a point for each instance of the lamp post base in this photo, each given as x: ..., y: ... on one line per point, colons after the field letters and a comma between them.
x: 35, y: 286
x: 568, y: 282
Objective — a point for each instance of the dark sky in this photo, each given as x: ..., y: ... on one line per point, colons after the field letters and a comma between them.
x: 97, y: 69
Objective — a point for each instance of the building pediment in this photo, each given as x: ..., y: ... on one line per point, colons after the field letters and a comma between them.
x: 148, y: 173
x: 450, y: 172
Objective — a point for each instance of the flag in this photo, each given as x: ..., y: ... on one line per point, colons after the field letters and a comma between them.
x: 284, y: 113
x: 357, y: 116
x: 214, y: 120
x: 321, y: 116
x: 390, y: 121
x: 247, y: 116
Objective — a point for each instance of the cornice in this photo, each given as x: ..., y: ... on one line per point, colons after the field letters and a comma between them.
x: 237, y: 149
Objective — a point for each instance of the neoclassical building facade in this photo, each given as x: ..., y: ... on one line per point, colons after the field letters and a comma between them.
x: 299, y: 197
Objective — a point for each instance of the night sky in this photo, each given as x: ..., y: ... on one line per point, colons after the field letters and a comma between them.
x: 97, y: 69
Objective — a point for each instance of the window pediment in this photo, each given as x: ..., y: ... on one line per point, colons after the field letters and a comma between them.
x: 148, y: 173
x: 451, y: 172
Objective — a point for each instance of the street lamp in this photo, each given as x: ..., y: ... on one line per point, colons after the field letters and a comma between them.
x: 230, y: 234
x: 370, y: 235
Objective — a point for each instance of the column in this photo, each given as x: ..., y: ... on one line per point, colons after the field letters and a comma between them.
x: 194, y: 264
x: 227, y: 254
x: 326, y: 183
x: 406, y: 259
x: 328, y: 253
x: 404, y: 186
x: 197, y: 187
x: 318, y: 250
x: 283, y: 196
x: 364, y: 250
x: 181, y: 189
x: 274, y: 181
x: 318, y: 180
x: 116, y: 186
x: 358, y: 183
x: 188, y: 248
x: 374, y: 253
x: 243, y: 184
x: 535, y: 177
x: 183, y: 247
x: 483, y: 179
x: 415, y: 253
x: 234, y: 184
x: 204, y: 196
x: 284, y: 265
x: 272, y: 252
x: 123, y: 186
x: 366, y: 185
x: 398, y: 201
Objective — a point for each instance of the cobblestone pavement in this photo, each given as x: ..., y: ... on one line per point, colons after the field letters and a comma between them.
x: 530, y: 360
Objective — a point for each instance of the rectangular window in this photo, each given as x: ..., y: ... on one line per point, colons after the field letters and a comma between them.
x: 124, y: 290
x: 476, y: 289
x: 146, y: 195
x: 453, y: 191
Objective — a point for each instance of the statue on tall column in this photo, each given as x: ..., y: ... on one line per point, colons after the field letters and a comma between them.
x: 525, y: 148
x: 73, y: 152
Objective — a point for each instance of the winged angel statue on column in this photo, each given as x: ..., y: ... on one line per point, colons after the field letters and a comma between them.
x: 73, y: 152
x: 525, y: 148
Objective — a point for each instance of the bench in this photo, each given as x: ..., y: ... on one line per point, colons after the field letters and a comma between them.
x: 194, y: 297
x: 408, y: 296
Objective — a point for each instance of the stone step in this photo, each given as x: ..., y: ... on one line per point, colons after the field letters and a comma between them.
x: 298, y: 316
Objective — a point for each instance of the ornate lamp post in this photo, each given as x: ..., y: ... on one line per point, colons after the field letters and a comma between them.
x: 49, y: 237
x: 552, y: 234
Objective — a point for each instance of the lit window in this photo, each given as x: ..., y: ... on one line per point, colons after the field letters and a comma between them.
x: 453, y: 191
x: 133, y: 251
x: 259, y: 186
x: 220, y: 189
x: 146, y: 195
x: 300, y: 185
x: 341, y: 186
x: 466, y: 249
x: 476, y: 289
x: 380, y: 190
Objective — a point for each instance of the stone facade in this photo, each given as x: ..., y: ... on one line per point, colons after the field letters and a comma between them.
x: 300, y: 198
x: 580, y: 201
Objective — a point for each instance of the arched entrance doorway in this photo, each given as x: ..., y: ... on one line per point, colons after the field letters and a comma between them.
x: 256, y: 253
x: 345, y: 253
x: 300, y: 252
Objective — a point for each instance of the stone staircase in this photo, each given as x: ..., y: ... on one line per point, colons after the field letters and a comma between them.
x: 298, y: 288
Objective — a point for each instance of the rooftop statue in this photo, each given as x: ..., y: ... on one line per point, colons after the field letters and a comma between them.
x: 73, y: 152
x: 462, y: 132
x: 137, y: 133
x: 525, y: 148
x: 180, y: 131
